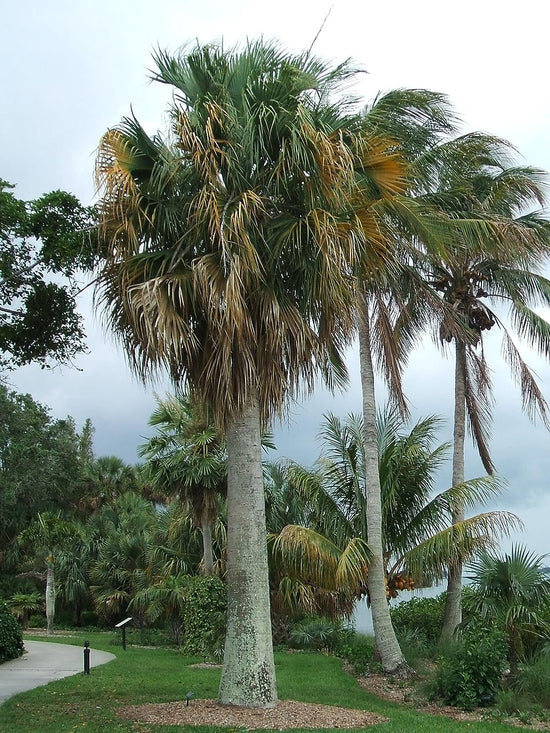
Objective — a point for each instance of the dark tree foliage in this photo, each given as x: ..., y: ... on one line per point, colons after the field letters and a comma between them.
x: 39, y: 465
x: 43, y: 243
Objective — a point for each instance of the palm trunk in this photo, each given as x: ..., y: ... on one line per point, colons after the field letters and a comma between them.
x: 248, y: 675
x: 207, y: 555
x: 50, y: 599
x: 387, y: 646
x: 453, y: 604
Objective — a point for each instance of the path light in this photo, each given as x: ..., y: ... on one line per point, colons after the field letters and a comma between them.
x: 188, y: 697
x: 86, y: 657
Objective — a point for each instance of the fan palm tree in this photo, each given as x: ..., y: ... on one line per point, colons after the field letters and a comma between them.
x: 121, y: 567
x: 229, y: 251
x: 186, y: 457
x: 511, y: 590
x: 477, y: 279
x: 24, y: 604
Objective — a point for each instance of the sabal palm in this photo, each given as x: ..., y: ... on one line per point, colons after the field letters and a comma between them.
x: 417, y: 539
x: 229, y: 253
x: 477, y: 279
x: 186, y: 457
x: 511, y: 590
x: 122, y: 553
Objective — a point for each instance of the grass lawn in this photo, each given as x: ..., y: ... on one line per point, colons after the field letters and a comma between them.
x: 141, y: 675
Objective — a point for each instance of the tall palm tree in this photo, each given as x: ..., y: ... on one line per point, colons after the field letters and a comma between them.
x: 511, y: 590
x: 186, y: 457
x: 229, y: 250
x: 414, y: 120
x: 477, y: 278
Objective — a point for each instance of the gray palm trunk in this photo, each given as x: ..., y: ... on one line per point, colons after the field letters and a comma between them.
x: 50, y: 598
x: 207, y: 556
x: 248, y: 675
x: 453, y: 604
x: 387, y: 646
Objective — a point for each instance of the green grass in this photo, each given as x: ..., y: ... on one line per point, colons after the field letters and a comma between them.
x: 89, y: 703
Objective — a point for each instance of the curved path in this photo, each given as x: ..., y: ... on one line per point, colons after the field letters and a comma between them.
x: 44, y: 662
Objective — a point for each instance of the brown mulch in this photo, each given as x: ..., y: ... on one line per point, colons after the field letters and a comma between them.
x: 287, y: 714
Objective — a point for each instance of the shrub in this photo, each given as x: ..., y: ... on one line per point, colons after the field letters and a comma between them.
x: 37, y: 621
x: 469, y: 673
x: 204, y: 617
x: 533, y: 681
x: 359, y: 653
x: 89, y: 618
x: 11, y: 640
x: 423, y: 616
x: 319, y: 633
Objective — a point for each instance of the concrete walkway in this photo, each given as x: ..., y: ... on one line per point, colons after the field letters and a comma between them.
x: 44, y: 662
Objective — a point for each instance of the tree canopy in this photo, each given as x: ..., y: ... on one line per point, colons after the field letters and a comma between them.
x: 43, y: 243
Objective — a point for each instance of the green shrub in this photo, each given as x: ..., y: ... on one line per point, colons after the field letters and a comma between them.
x: 359, y: 653
x: 415, y: 647
x: 204, y: 617
x: 11, y: 640
x: 89, y: 618
x: 469, y: 673
x: 533, y: 681
x: 423, y: 616
x: 318, y: 633
x: 37, y: 621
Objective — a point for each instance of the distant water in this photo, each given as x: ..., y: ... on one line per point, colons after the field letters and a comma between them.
x: 362, y: 619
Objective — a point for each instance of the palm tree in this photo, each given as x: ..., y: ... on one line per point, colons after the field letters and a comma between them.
x: 165, y: 598
x: 124, y: 538
x: 105, y: 480
x: 476, y: 278
x: 229, y: 251
x: 414, y: 119
x: 24, y: 604
x: 41, y: 542
x: 417, y: 540
x: 186, y: 457
x: 511, y: 590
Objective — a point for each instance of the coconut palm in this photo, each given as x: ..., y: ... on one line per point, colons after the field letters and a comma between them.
x: 477, y: 278
x: 415, y: 120
x: 186, y: 457
x: 417, y: 540
x: 229, y: 250
x: 511, y: 590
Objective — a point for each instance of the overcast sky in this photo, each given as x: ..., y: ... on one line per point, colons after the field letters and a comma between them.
x: 69, y: 70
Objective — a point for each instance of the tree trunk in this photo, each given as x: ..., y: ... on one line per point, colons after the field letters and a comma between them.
x: 453, y: 605
x: 387, y: 646
x: 248, y: 675
x: 50, y: 599
x: 207, y: 556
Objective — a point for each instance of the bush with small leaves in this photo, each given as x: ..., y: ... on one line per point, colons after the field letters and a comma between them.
x: 204, y: 617
x: 359, y: 654
x: 11, y: 640
x: 420, y: 615
x: 470, y: 672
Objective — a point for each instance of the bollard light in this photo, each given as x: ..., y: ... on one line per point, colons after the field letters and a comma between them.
x: 86, y: 657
